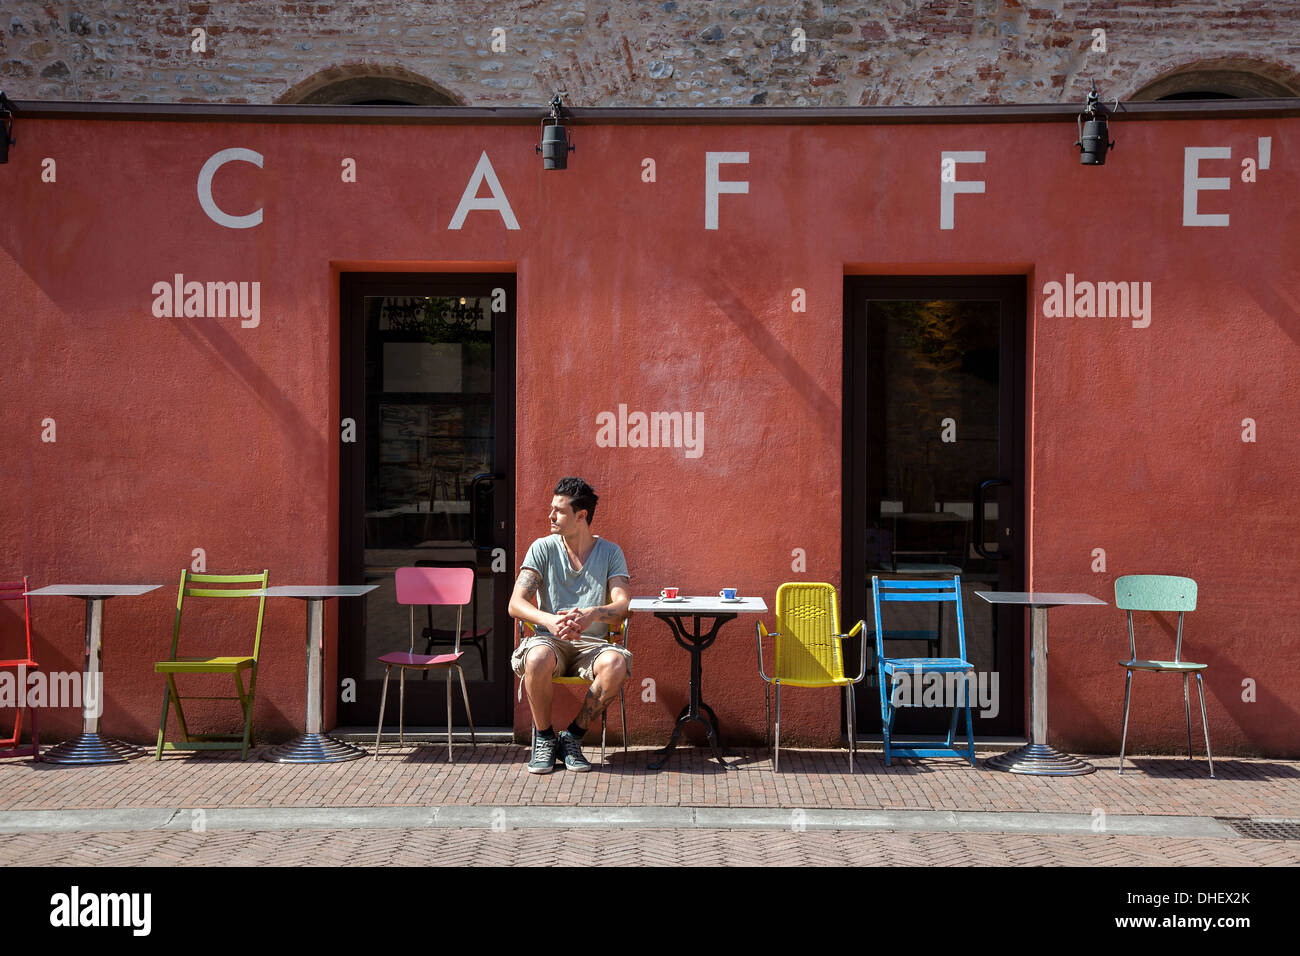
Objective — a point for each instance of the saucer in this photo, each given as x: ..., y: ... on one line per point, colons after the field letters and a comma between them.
x: 735, y: 600
x: 676, y: 600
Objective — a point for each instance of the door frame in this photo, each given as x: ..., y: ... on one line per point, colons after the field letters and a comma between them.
x: 1011, y: 291
x: 354, y: 287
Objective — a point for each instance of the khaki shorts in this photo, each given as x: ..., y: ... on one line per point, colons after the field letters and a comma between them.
x: 572, y: 658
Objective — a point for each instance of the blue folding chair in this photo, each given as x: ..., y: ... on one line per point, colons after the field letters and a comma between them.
x: 888, y: 669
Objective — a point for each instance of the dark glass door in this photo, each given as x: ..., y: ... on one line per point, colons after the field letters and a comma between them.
x: 427, y: 376
x: 934, y: 481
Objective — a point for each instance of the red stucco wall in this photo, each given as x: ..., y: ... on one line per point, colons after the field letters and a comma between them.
x: 175, y: 434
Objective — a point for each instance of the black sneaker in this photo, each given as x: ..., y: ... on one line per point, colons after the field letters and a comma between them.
x: 571, y: 747
x: 546, y: 754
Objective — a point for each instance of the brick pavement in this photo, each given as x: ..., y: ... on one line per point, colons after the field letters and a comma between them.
x: 493, y: 775
x: 594, y: 847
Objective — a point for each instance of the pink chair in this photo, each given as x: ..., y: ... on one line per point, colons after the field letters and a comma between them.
x: 429, y: 586
x: 15, y: 591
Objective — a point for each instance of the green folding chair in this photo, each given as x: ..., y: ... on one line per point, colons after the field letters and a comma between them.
x: 1157, y: 593
x: 236, y: 665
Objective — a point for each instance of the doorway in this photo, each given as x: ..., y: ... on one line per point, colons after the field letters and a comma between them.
x: 427, y: 378
x: 934, y: 480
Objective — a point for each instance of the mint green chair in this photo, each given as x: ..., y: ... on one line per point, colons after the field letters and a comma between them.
x: 1161, y: 592
x: 237, y: 666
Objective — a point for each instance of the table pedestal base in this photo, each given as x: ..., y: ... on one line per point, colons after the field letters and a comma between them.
x: 1039, y: 760
x: 313, y: 748
x: 91, y: 748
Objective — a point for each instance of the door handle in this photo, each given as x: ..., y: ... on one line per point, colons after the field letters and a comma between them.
x: 487, y: 476
x: 1000, y: 555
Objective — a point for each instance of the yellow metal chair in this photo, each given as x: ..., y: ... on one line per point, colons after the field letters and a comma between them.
x: 236, y: 665
x: 617, y: 635
x: 808, y: 652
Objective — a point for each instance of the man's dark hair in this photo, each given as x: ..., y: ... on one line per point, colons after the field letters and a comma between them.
x: 580, y: 494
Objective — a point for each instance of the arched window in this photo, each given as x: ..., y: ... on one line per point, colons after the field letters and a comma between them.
x: 1221, y: 80
x: 369, y: 85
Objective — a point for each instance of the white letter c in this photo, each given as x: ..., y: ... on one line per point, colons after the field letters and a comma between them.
x: 215, y: 162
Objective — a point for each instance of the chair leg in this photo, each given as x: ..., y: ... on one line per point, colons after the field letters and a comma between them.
x: 401, y: 706
x: 383, y: 699
x: 952, y: 727
x: 970, y: 733
x: 180, y: 709
x: 1205, y: 724
x: 622, y: 710
x: 12, y: 742
x: 888, y: 730
x: 246, y: 705
x: 1123, y: 736
x: 602, y: 736
x: 1187, y: 711
x: 886, y: 713
x: 776, y: 750
x: 36, y: 738
x: 450, y: 759
x: 482, y: 658
x: 162, y: 724
x: 464, y: 693
x: 853, y: 735
x: 767, y: 710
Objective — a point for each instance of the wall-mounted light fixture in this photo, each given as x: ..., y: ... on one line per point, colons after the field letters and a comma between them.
x: 7, y: 111
x: 1094, y: 137
x: 556, y: 143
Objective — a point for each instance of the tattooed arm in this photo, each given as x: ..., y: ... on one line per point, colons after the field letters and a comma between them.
x: 620, y: 596
x: 523, y: 602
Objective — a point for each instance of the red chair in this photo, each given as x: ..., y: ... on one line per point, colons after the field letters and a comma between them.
x: 429, y: 586
x: 15, y: 591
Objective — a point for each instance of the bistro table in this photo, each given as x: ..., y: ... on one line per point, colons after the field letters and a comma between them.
x: 695, y: 640
x: 89, y: 746
x: 1038, y: 757
x: 314, y: 746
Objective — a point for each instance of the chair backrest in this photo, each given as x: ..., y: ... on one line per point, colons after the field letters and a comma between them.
x: 915, y: 592
x: 807, y: 620
x: 16, y: 591
x: 188, y: 589
x: 474, y: 592
x: 436, y: 586
x: 452, y: 586
x: 1155, y: 592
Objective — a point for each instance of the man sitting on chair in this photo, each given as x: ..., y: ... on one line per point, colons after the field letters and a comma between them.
x: 580, y: 583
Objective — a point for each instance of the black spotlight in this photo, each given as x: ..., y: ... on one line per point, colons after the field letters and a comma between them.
x: 556, y: 143
x: 7, y: 110
x: 1094, y: 138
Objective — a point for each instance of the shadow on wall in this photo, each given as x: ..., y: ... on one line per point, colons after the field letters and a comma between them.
x: 214, y: 341
x: 824, y: 407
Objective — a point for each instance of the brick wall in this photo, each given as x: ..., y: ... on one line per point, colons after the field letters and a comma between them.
x: 666, y: 53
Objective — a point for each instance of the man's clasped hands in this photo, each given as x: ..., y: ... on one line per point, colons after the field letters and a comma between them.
x: 570, y: 624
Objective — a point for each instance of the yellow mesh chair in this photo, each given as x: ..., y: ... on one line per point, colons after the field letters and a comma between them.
x: 235, y: 665
x: 618, y: 634
x: 808, y: 652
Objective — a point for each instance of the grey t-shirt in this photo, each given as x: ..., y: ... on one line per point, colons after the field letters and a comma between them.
x: 563, y: 588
